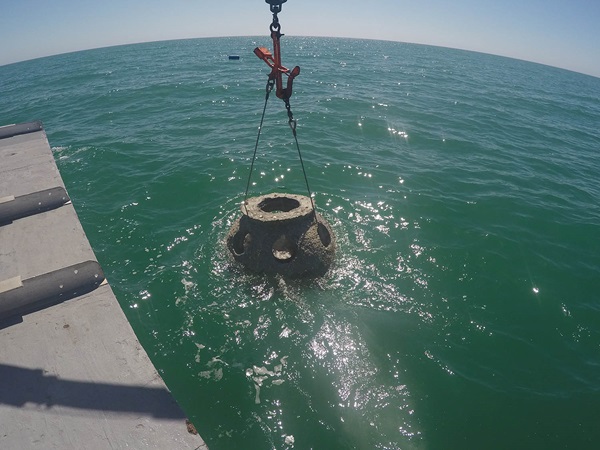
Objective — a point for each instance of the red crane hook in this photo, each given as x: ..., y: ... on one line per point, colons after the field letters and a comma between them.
x: 273, y: 60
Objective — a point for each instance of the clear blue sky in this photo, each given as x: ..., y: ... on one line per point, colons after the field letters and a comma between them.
x: 562, y: 33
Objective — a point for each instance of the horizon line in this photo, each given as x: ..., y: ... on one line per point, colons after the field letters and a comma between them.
x: 299, y: 36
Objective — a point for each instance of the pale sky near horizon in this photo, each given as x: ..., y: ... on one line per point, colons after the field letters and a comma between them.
x: 561, y: 33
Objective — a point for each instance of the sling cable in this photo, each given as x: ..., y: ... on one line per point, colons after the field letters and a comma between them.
x: 275, y: 79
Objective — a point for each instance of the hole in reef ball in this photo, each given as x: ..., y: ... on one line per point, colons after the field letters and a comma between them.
x: 324, y: 234
x: 284, y: 249
x: 241, y: 242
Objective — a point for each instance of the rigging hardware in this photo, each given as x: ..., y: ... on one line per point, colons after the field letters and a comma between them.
x: 278, y: 70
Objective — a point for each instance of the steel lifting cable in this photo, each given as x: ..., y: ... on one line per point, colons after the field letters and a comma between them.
x: 270, y: 84
x: 275, y: 79
x: 293, y: 124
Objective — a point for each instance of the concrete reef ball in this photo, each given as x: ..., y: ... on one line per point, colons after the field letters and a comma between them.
x: 278, y: 233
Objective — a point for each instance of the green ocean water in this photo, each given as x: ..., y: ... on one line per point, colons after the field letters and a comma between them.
x: 463, y: 310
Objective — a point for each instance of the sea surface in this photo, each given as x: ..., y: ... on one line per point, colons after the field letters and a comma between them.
x: 463, y: 309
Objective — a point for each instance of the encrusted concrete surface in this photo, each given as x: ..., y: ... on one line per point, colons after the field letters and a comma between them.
x: 72, y: 376
x: 282, y: 234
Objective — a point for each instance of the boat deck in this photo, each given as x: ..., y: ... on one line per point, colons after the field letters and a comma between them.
x: 72, y: 373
